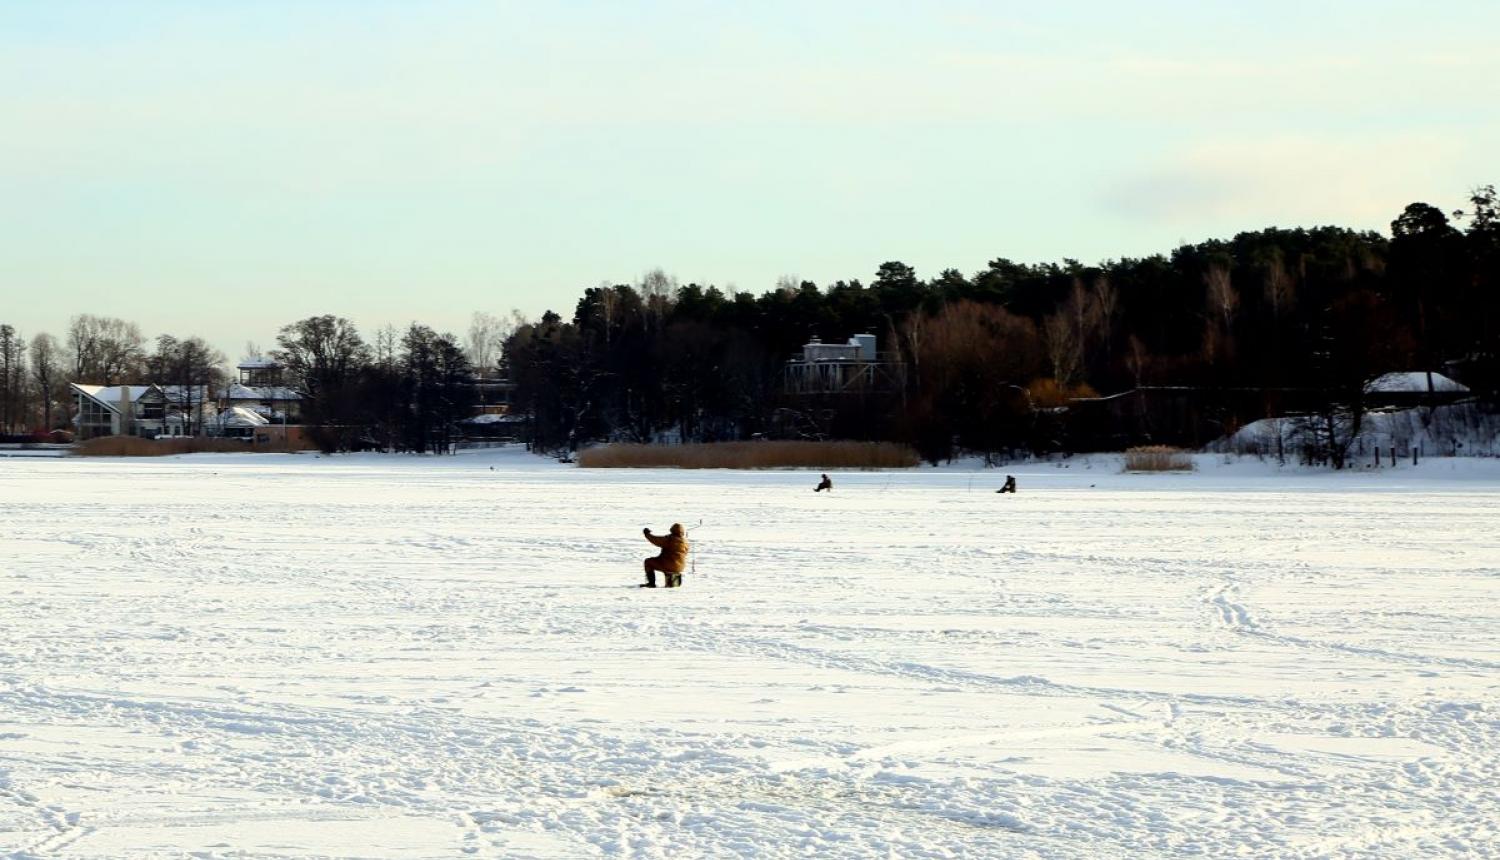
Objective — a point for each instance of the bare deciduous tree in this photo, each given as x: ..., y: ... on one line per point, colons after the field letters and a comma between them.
x: 1222, y: 304
x: 657, y: 283
x: 1223, y: 301
x: 105, y: 350
x: 657, y: 290
x: 1280, y: 289
x: 1106, y: 304
x: 12, y: 380
x: 324, y: 357
x: 387, y: 342
x: 1064, y: 347
x: 1136, y: 360
x: 486, y: 340
x: 46, y: 374
x: 188, y: 370
x: 1070, y: 331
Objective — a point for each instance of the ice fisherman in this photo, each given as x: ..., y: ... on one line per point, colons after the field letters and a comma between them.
x: 825, y: 484
x: 1009, y: 486
x: 671, y: 560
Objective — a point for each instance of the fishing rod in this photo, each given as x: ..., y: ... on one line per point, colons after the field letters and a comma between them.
x: 693, y: 550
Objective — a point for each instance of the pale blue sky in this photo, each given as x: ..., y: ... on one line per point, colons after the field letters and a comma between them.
x: 222, y: 168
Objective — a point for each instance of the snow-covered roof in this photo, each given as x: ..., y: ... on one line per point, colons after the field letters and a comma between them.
x: 109, y: 395
x: 257, y: 363
x: 239, y: 416
x: 1413, y: 381
x: 184, y: 392
x: 492, y: 419
x: 236, y: 391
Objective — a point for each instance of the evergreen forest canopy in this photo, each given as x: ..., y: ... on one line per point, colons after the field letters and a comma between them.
x: 989, y: 358
x: 987, y: 362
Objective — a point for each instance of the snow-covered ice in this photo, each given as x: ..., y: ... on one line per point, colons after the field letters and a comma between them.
x: 283, y: 655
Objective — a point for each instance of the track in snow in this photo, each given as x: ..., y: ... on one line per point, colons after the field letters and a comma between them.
x: 365, y: 656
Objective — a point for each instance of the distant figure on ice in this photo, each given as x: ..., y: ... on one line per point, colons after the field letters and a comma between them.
x: 671, y: 560
x: 825, y: 484
x: 1009, y: 486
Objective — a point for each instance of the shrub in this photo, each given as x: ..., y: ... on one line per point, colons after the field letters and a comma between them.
x: 1045, y: 393
x: 1157, y: 458
x: 134, y: 446
x: 751, y: 455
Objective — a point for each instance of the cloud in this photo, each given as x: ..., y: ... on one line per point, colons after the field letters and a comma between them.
x: 1294, y: 179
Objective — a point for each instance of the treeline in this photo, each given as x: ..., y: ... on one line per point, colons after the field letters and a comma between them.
x: 990, y: 357
x: 406, y: 391
x: 996, y: 360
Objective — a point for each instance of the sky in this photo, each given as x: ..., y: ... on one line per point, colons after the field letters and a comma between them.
x: 224, y: 168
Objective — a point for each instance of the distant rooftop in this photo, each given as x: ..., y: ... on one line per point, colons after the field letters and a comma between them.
x: 110, y: 395
x: 1414, y: 381
x: 236, y: 391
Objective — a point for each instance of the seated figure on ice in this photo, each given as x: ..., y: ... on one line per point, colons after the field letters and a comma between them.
x: 670, y: 561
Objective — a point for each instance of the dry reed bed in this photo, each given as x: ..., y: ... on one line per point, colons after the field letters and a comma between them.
x: 1157, y: 458
x: 751, y: 455
x: 133, y: 446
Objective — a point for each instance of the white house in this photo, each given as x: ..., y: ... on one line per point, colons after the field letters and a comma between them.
x: 112, y: 410
x: 260, y: 389
x: 278, y: 404
x: 854, y: 367
x: 238, y: 422
x: 148, y: 411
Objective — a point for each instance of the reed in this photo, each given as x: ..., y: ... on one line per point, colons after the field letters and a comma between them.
x: 1157, y: 458
x: 134, y: 446
x: 751, y: 455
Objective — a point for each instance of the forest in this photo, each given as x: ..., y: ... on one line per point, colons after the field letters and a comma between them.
x: 1269, y: 322
x: 1288, y: 320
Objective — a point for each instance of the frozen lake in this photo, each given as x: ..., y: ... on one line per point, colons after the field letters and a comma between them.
x: 277, y: 656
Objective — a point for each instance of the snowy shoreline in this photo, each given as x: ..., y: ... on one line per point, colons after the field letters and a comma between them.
x: 515, y: 458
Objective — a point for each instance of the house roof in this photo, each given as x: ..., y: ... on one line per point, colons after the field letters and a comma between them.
x: 1413, y: 381
x: 182, y: 392
x: 109, y: 395
x: 239, y: 416
x: 236, y: 391
x: 493, y: 419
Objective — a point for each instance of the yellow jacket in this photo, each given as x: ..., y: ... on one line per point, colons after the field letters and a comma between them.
x: 674, y: 549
